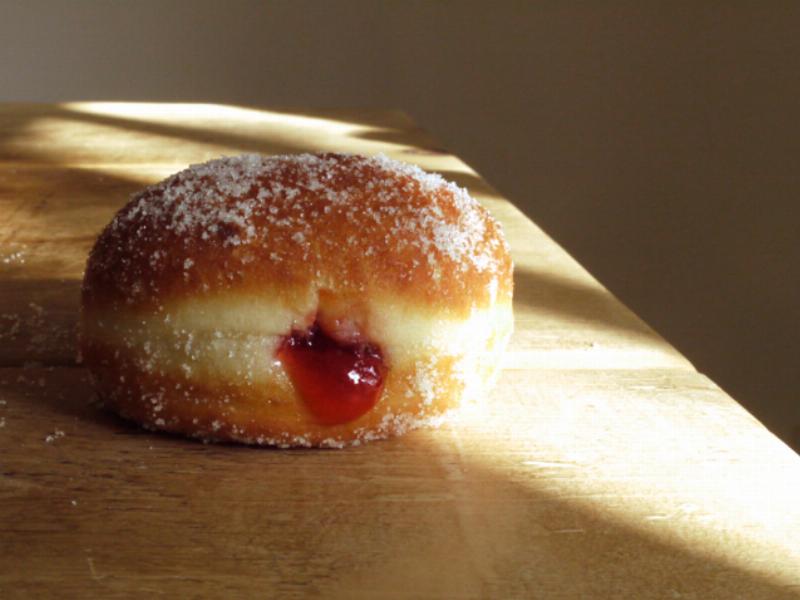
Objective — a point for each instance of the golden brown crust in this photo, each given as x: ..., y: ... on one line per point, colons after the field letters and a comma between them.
x: 352, y: 224
x: 272, y: 244
x: 267, y: 414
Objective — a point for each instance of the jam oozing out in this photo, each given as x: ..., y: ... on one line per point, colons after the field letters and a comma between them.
x: 339, y: 382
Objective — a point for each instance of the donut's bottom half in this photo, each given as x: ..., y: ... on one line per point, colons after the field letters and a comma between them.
x: 267, y: 413
x: 179, y: 376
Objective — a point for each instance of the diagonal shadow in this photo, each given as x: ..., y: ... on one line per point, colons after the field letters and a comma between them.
x: 575, y: 302
x: 45, y: 252
x: 38, y: 315
x: 63, y: 252
x: 353, y: 522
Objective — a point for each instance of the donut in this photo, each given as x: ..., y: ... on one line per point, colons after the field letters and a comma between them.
x: 317, y: 300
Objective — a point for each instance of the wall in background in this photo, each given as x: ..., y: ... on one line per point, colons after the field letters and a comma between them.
x: 658, y: 143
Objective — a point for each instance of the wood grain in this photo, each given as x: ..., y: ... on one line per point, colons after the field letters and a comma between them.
x: 637, y: 483
x: 602, y: 465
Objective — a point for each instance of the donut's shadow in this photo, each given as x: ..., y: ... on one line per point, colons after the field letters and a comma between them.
x: 445, y: 511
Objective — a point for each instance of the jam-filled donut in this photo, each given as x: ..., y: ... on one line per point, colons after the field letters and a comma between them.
x: 302, y: 300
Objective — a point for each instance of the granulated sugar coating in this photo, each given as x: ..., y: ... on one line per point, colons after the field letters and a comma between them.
x: 239, y: 207
x: 199, y: 281
x: 231, y: 192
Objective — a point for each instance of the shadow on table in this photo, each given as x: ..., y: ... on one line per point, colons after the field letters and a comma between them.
x: 38, y: 316
x: 575, y: 302
x: 40, y: 297
x: 41, y: 153
x: 433, y: 514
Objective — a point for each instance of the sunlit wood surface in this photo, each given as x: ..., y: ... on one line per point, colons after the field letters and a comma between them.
x: 602, y: 466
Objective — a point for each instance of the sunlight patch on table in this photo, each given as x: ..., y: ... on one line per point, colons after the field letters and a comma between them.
x: 694, y: 472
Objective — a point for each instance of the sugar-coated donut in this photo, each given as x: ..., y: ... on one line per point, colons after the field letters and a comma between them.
x: 300, y: 300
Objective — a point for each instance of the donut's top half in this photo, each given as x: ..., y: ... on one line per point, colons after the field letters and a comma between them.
x: 342, y: 226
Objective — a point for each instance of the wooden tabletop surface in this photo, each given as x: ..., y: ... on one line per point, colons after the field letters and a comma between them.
x: 601, y: 466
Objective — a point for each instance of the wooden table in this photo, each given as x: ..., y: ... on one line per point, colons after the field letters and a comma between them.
x: 603, y: 465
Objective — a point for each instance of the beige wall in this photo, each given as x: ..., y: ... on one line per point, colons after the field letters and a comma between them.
x: 659, y: 143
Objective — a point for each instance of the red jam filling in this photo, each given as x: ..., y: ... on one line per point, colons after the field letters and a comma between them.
x: 338, y: 381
